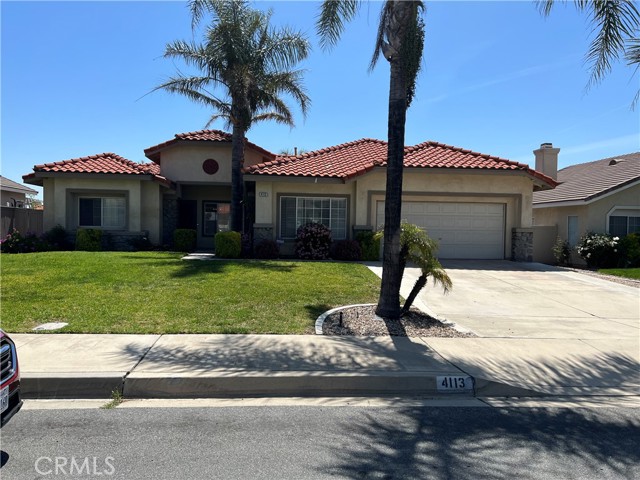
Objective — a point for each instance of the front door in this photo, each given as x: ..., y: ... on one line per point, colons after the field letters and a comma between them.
x: 216, y: 218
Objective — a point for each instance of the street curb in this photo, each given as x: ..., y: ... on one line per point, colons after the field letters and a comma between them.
x: 285, y: 384
x: 71, y: 385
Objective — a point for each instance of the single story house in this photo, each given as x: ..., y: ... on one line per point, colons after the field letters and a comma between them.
x: 475, y: 205
x: 601, y: 196
x: 13, y: 194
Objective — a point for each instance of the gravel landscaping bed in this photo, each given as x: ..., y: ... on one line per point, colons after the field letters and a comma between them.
x: 362, y: 321
x: 612, y: 278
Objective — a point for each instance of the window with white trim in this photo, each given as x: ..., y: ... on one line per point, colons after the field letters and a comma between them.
x: 621, y: 225
x: 297, y: 211
x: 105, y: 212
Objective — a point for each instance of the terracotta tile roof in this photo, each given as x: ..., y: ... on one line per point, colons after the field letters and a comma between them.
x: 587, y: 181
x: 153, y: 153
x: 355, y: 158
x: 341, y: 161
x: 103, y: 163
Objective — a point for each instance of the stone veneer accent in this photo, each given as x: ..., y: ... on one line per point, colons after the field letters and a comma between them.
x: 522, y: 245
x: 169, y: 218
x: 262, y: 231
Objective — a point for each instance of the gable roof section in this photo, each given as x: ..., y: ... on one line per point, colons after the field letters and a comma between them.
x: 153, y: 153
x: 103, y: 163
x: 351, y: 159
x: 11, y: 186
x: 586, y: 182
x: 344, y: 161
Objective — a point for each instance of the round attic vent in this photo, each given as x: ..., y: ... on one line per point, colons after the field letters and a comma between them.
x: 210, y: 166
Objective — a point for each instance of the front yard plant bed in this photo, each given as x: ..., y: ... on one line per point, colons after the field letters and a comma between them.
x: 361, y: 321
x: 158, y: 292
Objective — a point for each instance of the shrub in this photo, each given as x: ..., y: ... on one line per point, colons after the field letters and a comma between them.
x: 346, y: 250
x: 89, y: 239
x: 57, y: 239
x: 267, y: 249
x: 15, y: 242
x: 562, y: 252
x: 228, y: 244
x: 313, y: 241
x: 599, y: 250
x: 369, y: 245
x: 184, y: 239
x: 630, y: 250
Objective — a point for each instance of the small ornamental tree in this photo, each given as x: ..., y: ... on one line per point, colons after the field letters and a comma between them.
x: 313, y: 241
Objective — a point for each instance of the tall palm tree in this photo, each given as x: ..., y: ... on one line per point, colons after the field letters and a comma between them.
x: 400, y: 40
x: 251, y: 64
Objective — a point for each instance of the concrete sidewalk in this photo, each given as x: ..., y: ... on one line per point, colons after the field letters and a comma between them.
x: 191, y: 366
x: 541, y: 331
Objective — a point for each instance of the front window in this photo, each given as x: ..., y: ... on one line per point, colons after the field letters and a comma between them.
x: 297, y: 211
x: 621, y: 225
x: 105, y: 212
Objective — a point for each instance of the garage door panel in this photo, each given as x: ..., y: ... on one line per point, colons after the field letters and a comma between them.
x: 463, y: 230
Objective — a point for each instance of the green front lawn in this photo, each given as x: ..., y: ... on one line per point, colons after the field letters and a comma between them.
x: 622, y: 272
x: 157, y: 292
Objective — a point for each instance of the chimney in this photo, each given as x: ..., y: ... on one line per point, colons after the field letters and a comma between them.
x: 547, y: 160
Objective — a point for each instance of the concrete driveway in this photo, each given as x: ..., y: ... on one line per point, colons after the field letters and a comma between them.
x: 539, y: 327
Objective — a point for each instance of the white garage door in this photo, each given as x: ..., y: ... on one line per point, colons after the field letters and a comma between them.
x: 463, y: 230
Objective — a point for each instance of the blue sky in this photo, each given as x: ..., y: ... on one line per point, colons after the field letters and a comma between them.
x: 497, y: 78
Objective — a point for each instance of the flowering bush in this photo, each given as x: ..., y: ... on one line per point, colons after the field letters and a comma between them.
x: 313, y: 241
x: 15, y: 242
x: 599, y: 250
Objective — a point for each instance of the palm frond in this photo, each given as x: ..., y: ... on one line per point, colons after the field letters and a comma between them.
x: 332, y: 18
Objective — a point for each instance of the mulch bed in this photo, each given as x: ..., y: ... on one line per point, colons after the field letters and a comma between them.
x: 362, y: 321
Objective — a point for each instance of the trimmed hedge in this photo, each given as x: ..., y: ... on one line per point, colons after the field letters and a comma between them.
x: 369, y: 245
x: 346, y: 250
x: 89, y: 239
x: 228, y: 244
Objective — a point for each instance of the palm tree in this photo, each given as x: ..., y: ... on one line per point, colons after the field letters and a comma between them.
x: 617, y: 24
x: 252, y: 64
x: 417, y: 247
x: 400, y: 40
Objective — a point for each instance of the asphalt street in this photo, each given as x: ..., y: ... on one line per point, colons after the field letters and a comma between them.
x: 317, y: 442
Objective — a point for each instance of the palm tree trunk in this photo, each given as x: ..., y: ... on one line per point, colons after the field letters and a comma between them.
x: 419, y: 285
x: 237, y: 182
x: 389, y: 301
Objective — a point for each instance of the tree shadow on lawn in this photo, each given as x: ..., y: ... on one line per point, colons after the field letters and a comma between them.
x: 486, y: 443
x: 190, y: 268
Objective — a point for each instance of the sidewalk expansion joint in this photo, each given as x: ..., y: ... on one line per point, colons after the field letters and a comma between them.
x: 140, y: 360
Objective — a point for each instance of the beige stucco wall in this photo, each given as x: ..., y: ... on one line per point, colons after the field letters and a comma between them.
x: 592, y: 216
x: 8, y: 198
x: 514, y: 191
x: 182, y: 163
x: 143, y: 201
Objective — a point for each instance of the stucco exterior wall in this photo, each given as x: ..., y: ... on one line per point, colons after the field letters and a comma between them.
x: 183, y: 162
x: 592, y: 216
x: 8, y: 199
x: 143, y: 202
x: 515, y: 192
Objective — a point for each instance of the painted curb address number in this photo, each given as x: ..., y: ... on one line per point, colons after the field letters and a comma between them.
x: 450, y: 383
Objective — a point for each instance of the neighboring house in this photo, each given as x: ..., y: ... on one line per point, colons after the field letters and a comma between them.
x: 475, y: 205
x: 14, y: 194
x: 16, y: 210
x: 601, y: 196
